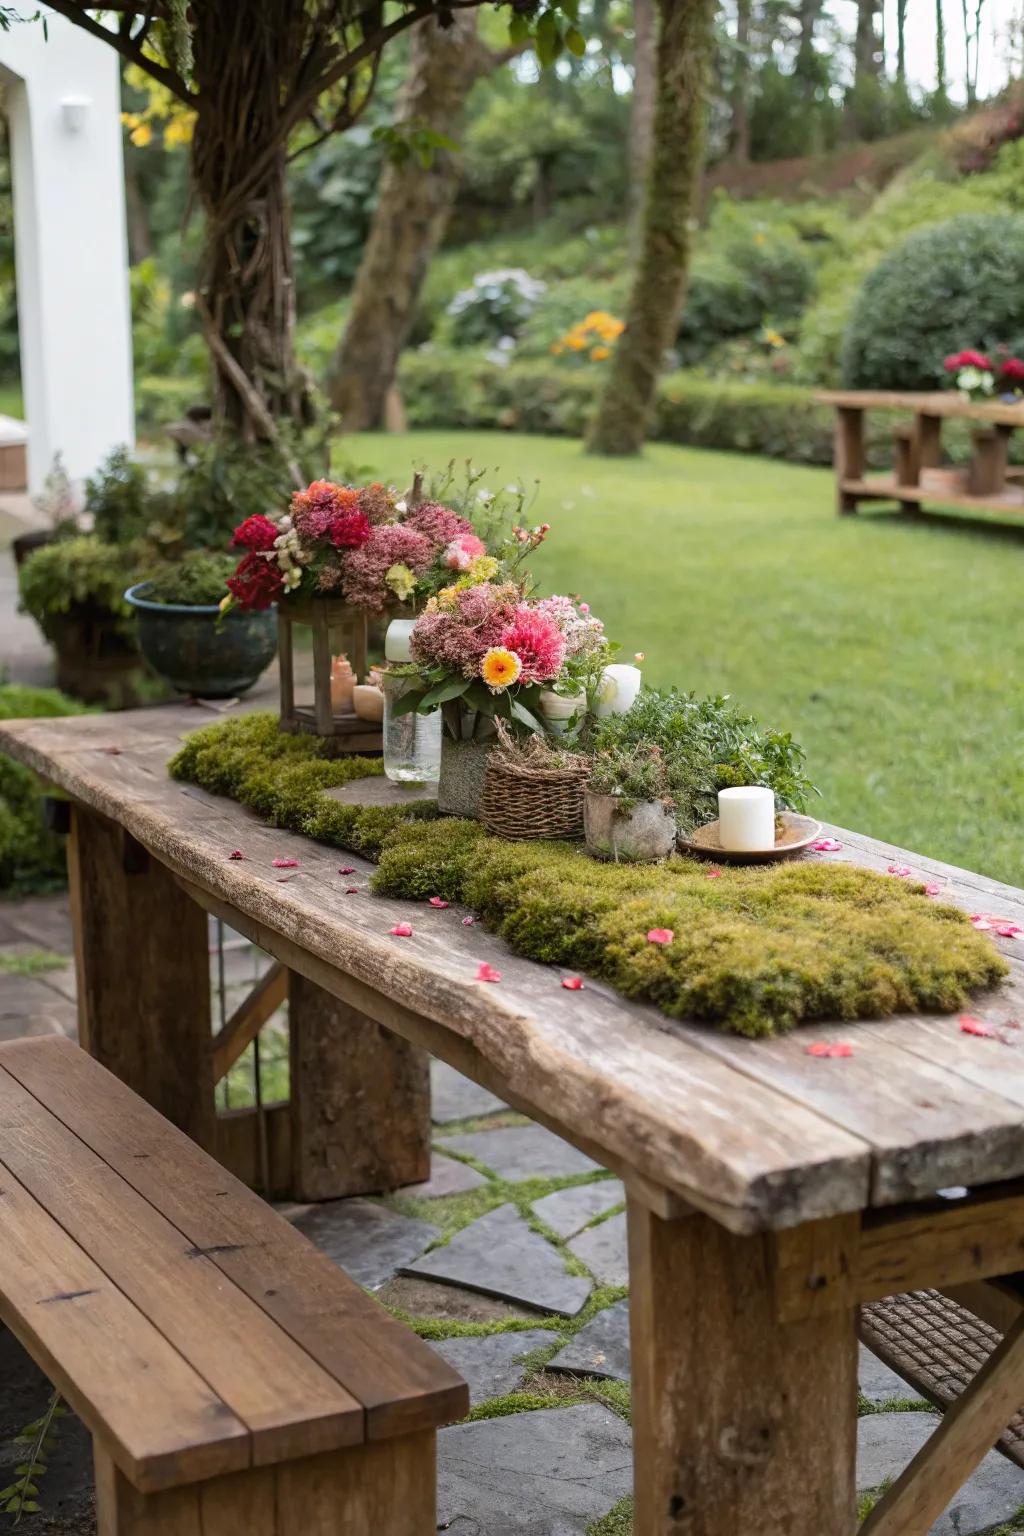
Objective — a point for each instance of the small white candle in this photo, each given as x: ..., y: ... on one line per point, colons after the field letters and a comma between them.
x: 398, y: 640
x: 617, y: 690
x: 746, y: 819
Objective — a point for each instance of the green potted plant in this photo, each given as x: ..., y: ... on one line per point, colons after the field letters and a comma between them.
x: 186, y: 638
x: 629, y: 813
x: 74, y: 589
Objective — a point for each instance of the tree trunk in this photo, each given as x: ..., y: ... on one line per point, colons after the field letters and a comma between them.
x: 740, y: 133
x: 246, y: 292
x: 867, y: 62
x: 659, y: 282
x: 901, y: 41
x: 941, y: 92
x: 641, y: 119
x: 409, y: 222
x: 140, y: 238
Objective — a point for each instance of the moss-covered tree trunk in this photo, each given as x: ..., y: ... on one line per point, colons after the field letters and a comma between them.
x: 641, y: 117
x: 412, y: 212
x: 659, y: 280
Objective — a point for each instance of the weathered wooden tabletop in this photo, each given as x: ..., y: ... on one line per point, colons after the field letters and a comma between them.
x: 939, y: 402
x: 758, y: 1134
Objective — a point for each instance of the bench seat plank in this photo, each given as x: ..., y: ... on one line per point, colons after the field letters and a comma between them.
x: 68, y: 1315
x: 289, y: 1404
x: 402, y: 1384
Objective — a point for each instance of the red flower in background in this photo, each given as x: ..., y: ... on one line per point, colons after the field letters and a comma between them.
x: 257, y: 583
x: 1012, y: 373
x: 968, y: 359
x: 316, y: 509
x: 255, y: 533
x: 349, y: 530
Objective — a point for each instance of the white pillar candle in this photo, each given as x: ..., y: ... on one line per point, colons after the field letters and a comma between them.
x: 746, y: 819
x: 398, y: 640
x: 617, y: 690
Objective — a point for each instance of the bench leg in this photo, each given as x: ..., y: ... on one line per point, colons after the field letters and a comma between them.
x: 143, y: 967
x: 849, y: 454
x: 741, y: 1422
x: 387, y: 1488
x: 360, y: 1100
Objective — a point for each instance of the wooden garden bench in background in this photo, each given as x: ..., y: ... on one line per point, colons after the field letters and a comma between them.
x: 233, y: 1379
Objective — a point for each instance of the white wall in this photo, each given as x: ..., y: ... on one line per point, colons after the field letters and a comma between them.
x: 70, y: 243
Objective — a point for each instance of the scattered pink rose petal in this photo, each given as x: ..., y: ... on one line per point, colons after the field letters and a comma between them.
x: 991, y: 922
x: 351, y: 890
x: 281, y: 879
x: 826, y: 845
x: 901, y: 871
x: 713, y: 874
x: 487, y: 972
x: 285, y: 863
x: 111, y: 751
x: 347, y: 869
x: 467, y: 922
x: 972, y: 1026
x: 980, y: 922
x: 402, y: 930
x: 236, y: 854
x: 931, y: 889
x: 837, y: 1051
x: 436, y: 901
x: 1008, y: 930
x: 572, y: 983
x: 660, y: 935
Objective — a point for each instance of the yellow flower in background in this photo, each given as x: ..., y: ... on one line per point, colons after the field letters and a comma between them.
x: 141, y: 136
x: 178, y: 130
x: 595, y: 334
x: 483, y: 568
x: 598, y: 354
x: 500, y: 668
x: 772, y: 338
x: 401, y: 581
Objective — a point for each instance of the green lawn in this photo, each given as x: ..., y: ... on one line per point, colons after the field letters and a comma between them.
x: 893, y: 649
x: 10, y: 401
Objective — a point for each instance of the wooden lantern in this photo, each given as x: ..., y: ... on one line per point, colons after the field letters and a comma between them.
x: 337, y: 627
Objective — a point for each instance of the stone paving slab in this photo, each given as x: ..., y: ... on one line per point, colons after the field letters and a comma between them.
x: 887, y: 1441
x: 454, y: 1097
x: 879, y: 1384
x: 603, y: 1249
x: 499, y: 1255
x: 549, y: 1473
x: 599, y: 1349
x: 567, y: 1211
x: 431, y: 1298
x: 492, y: 1365
x: 45, y: 921
x: 367, y: 1241
x: 447, y: 1177
x: 522, y: 1152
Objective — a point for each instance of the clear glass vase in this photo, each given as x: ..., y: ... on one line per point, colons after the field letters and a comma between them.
x: 412, y: 742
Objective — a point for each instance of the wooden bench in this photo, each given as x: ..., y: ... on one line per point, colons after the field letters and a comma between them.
x: 233, y: 1379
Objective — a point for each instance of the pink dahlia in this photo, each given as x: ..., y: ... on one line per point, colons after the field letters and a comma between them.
x: 538, y: 642
x: 440, y: 524
x: 315, y: 509
x: 349, y: 530
x: 365, y: 569
x: 461, y: 552
x: 458, y: 634
x: 255, y: 533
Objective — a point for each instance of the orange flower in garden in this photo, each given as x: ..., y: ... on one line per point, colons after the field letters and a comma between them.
x: 596, y: 334
x: 598, y: 354
x: 500, y: 668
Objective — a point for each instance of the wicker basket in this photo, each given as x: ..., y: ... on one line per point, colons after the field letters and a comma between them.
x: 531, y: 791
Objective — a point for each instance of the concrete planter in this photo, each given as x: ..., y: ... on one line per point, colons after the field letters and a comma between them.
x: 641, y: 835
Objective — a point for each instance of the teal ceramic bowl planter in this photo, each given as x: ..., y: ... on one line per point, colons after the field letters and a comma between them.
x: 197, y: 651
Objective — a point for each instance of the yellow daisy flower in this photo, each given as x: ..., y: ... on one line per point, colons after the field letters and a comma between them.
x: 500, y: 668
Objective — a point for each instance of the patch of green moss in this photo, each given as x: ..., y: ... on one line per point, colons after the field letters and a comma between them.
x: 865, y: 1407
x: 755, y: 951
x: 35, y: 962
x: 617, y: 1522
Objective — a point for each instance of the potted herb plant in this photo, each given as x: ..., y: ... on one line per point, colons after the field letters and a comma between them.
x: 628, y: 810
x: 186, y: 639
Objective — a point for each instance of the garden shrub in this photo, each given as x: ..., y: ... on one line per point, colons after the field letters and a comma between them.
x: 496, y: 304
x: 960, y: 284
x: 755, y: 276
x: 31, y: 856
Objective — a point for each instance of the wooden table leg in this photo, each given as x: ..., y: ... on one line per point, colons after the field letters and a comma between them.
x: 740, y: 1423
x: 143, y: 966
x: 849, y: 454
x: 360, y: 1100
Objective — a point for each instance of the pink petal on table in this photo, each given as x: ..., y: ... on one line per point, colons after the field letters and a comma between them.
x: 826, y: 845
x: 572, y: 983
x: 347, y: 869
x: 1008, y: 930
x: 111, y: 751
x: 467, y: 922
x: 487, y: 972
x: 901, y: 871
x: 402, y: 930
x: 972, y: 1026
x: 837, y: 1051
x: 351, y: 890
x: 660, y: 935
x: 931, y: 889
x: 713, y: 874
x: 236, y: 854
x: 285, y: 863
x: 436, y: 901
x: 980, y: 922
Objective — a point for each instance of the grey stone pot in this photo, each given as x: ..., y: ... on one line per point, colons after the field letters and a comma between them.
x: 638, y: 836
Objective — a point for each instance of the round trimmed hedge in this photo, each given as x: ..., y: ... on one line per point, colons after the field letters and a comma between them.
x: 952, y: 285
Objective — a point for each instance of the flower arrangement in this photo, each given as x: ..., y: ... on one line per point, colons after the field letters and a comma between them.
x: 979, y: 376
x: 595, y: 335
x: 366, y: 545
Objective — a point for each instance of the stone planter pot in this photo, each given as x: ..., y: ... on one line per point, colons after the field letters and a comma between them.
x: 197, y: 652
x: 467, y: 741
x: 641, y: 835
x: 96, y: 661
x: 557, y: 711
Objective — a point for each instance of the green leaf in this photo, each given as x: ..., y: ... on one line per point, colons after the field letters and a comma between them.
x: 451, y: 688
x: 518, y: 29
x: 549, y: 39
x: 523, y: 715
x: 576, y: 42
x: 407, y: 703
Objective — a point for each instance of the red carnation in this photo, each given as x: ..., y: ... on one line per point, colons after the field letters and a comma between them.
x: 1012, y: 372
x: 968, y: 359
x: 257, y: 583
x: 255, y: 533
x: 349, y: 530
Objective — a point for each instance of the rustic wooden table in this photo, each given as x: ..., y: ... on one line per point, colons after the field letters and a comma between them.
x: 770, y: 1191
x: 988, y: 484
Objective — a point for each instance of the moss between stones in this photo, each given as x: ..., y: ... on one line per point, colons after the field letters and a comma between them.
x: 756, y: 951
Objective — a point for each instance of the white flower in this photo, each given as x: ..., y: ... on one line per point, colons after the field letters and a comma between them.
x: 401, y: 507
x: 284, y: 523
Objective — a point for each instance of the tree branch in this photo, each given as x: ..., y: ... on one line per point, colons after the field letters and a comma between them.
x: 126, y: 46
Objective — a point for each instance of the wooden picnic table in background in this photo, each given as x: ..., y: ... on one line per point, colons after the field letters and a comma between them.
x: 988, y: 484
x: 769, y: 1191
